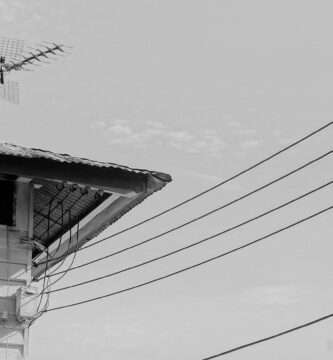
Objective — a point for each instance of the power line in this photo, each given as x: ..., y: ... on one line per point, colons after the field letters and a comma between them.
x: 74, y: 188
x: 211, y: 188
x: 196, y: 243
x: 198, y: 218
x: 50, y: 202
x: 47, y: 252
x: 49, y: 284
x: 269, y: 337
x: 64, y: 273
x: 194, y: 265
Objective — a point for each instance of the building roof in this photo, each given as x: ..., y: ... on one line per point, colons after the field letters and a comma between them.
x: 31, y: 153
x: 66, y: 168
x: 72, y: 192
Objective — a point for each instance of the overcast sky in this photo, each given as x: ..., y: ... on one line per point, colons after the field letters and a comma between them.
x: 200, y: 90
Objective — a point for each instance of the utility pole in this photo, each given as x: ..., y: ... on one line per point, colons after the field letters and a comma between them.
x: 17, y: 297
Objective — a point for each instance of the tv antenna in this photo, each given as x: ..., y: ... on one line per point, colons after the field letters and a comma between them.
x: 13, y: 57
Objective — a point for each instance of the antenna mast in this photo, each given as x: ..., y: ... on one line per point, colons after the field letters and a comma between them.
x: 12, y: 58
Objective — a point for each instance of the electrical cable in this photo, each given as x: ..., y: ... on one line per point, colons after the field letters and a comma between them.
x: 68, y: 210
x: 68, y: 247
x: 74, y: 187
x: 59, y: 190
x: 47, y: 268
x: 269, y: 337
x: 47, y: 253
x: 3, y: 323
x: 61, y: 227
x: 194, y: 265
x: 221, y: 183
x: 202, y: 216
x: 72, y: 261
x: 196, y: 243
x: 213, y: 187
x: 40, y: 312
x: 49, y: 285
x: 45, y: 307
x: 83, y: 193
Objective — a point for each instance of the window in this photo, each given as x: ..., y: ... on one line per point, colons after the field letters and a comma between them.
x: 7, y: 192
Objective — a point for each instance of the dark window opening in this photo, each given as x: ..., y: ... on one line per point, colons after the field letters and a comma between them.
x: 7, y: 198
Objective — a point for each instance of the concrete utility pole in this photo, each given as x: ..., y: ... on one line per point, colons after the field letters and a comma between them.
x: 17, y: 298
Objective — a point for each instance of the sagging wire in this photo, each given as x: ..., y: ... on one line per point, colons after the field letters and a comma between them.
x: 47, y: 268
x: 60, y: 240
x: 221, y: 183
x: 221, y: 207
x: 47, y: 284
x: 62, y: 226
x: 67, y: 251
x: 72, y: 261
x: 49, y: 204
x: 46, y: 289
x: 3, y: 325
x: 196, y: 265
x: 59, y: 190
x: 43, y: 310
x: 47, y: 253
x: 60, y: 202
x: 39, y: 312
x: 48, y: 237
x: 199, y: 242
x: 83, y: 192
x: 72, y: 189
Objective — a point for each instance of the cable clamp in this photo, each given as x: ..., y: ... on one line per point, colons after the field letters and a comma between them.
x: 35, y: 243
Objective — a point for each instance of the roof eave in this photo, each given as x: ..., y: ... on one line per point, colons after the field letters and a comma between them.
x: 112, y: 179
x: 124, y: 205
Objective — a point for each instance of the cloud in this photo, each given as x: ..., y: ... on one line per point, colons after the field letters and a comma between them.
x: 251, y: 144
x: 276, y: 132
x: 234, y: 124
x: 155, y: 124
x: 14, y: 11
x: 278, y: 295
x: 286, y: 141
x: 144, y: 134
x: 244, y: 132
x: 119, y: 130
x: 211, y: 179
x: 9, y: 10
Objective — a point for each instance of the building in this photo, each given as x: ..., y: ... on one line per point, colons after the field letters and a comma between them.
x: 51, y: 205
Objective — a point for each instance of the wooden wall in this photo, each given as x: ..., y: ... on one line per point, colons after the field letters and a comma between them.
x: 15, y: 263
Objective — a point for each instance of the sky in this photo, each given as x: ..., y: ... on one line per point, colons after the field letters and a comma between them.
x: 199, y: 90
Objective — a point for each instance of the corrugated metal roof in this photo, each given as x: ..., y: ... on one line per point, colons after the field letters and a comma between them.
x: 52, y: 171
x: 57, y: 209
x: 31, y: 153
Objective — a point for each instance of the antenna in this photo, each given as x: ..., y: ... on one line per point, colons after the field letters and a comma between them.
x: 9, y: 91
x: 11, y: 49
x: 12, y: 57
